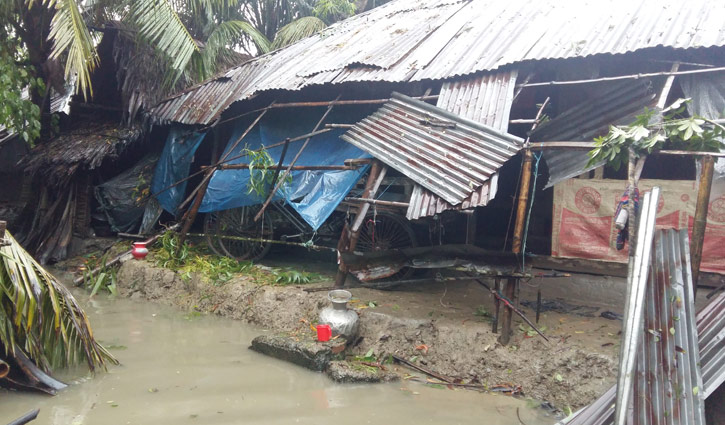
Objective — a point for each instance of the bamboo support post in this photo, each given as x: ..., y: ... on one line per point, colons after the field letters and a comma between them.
x: 349, y: 236
x: 292, y: 163
x: 523, y: 201
x: 701, y: 209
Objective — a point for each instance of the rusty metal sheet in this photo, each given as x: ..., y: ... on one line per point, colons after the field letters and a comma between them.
x: 710, y: 325
x: 668, y: 383
x: 446, y: 154
x: 486, y: 99
x: 424, y: 40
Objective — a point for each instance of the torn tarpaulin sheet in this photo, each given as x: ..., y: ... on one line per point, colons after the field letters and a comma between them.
x: 313, y: 194
x: 121, y: 198
x: 173, y: 166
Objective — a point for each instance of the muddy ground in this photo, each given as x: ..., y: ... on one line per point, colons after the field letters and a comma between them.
x: 439, y: 326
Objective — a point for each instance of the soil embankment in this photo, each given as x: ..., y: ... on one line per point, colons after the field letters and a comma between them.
x: 437, y: 331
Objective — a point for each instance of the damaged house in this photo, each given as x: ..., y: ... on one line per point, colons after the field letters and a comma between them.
x: 433, y: 133
x: 472, y: 78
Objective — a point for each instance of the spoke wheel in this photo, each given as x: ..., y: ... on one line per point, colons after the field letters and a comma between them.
x: 384, y: 232
x: 210, y: 230
x: 239, y: 223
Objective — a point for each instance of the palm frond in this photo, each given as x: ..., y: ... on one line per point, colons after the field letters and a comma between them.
x: 297, y: 30
x: 40, y: 316
x: 70, y: 36
x: 158, y: 22
x: 225, y: 36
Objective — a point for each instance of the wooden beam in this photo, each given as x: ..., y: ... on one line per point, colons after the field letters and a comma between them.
x: 701, y: 209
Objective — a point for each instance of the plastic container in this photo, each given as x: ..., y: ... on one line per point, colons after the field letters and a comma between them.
x: 324, y: 333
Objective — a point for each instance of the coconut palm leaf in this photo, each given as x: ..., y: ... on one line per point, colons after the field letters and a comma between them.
x: 39, y: 316
x: 158, y: 22
x: 226, y: 35
x: 297, y: 30
x: 70, y: 36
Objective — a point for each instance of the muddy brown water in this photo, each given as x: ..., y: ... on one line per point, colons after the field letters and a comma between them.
x: 178, y: 368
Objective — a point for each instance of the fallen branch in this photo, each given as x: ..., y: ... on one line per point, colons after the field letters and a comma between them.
x: 445, y: 379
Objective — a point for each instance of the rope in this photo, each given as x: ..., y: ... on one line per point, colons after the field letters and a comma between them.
x: 528, y: 214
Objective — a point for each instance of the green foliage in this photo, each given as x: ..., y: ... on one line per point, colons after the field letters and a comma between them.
x: 105, y: 279
x: 292, y: 277
x: 17, y: 112
x: 297, y: 30
x: 332, y: 11
x: 186, y: 259
x: 73, y: 41
x: 647, y: 134
x: 39, y: 316
x: 261, y: 171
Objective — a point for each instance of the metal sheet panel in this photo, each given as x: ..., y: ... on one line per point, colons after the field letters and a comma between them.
x: 619, y: 105
x: 417, y: 40
x: 486, y: 99
x: 446, y: 154
x: 668, y: 384
x: 634, y: 303
x: 672, y: 274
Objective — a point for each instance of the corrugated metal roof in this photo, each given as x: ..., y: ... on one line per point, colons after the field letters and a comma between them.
x: 414, y: 40
x: 446, y: 154
x: 620, y: 104
x: 485, y: 99
x: 668, y: 382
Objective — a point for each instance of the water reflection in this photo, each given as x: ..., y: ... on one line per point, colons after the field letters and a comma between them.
x: 178, y: 368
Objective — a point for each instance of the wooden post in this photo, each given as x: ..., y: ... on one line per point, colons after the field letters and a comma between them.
x: 523, y: 202
x: 471, y: 224
x: 349, y: 236
x: 698, y: 228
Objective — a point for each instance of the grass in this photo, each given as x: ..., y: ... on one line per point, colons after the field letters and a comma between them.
x: 188, y: 259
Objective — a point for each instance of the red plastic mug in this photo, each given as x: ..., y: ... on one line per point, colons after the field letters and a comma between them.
x: 324, y: 333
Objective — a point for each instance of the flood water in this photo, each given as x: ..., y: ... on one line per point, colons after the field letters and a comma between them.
x: 178, y: 368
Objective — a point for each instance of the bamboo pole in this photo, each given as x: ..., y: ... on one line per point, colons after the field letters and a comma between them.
x: 622, y: 77
x: 291, y: 167
x: 701, y: 209
x: 349, y: 236
x: 292, y: 163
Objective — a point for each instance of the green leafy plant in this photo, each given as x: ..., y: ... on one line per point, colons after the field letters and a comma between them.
x: 261, y: 171
x: 291, y: 277
x: 647, y: 134
x: 186, y: 259
x: 529, y: 331
x: 40, y: 317
x: 17, y: 112
x: 105, y: 278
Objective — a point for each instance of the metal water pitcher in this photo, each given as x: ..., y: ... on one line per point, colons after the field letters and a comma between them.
x: 342, y: 321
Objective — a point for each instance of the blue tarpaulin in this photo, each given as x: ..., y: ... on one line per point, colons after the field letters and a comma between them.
x: 313, y: 194
x: 173, y: 166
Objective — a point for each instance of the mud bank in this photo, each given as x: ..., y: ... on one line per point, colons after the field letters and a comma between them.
x: 571, y: 371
